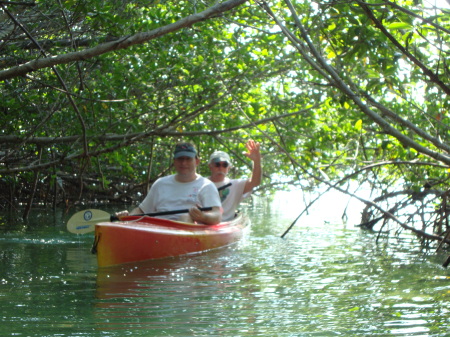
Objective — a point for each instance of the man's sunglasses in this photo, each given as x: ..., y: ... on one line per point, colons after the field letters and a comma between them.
x: 219, y: 164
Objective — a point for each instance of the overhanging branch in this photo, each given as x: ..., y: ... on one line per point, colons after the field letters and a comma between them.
x: 121, y: 140
x: 121, y: 43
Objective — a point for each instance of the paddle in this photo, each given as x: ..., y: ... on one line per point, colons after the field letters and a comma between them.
x: 224, y: 186
x: 84, y: 221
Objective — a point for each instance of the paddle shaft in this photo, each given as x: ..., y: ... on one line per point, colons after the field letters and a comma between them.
x: 85, y: 221
x: 115, y: 218
x: 224, y: 187
x: 178, y: 211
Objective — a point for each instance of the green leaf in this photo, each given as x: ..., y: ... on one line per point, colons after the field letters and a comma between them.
x: 400, y: 25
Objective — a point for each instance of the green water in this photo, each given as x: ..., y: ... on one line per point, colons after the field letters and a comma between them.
x: 323, y: 279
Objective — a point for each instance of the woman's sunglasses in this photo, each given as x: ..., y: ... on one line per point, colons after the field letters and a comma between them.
x: 219, y: 164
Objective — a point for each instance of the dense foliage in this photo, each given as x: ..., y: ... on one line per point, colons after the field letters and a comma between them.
x: 95, y: 94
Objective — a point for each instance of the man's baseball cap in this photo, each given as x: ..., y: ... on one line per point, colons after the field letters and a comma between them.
x: 219, y: 156
x: 184, y: 150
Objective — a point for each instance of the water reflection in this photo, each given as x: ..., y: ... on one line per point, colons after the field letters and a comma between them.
x: 342, y: 284
x: 132, y: 279
x: 323, y: 279
x: 167, y: 293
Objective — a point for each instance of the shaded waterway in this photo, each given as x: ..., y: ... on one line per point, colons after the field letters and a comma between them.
x: 326, y: 278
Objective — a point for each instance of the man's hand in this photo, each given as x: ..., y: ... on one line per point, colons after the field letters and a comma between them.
x: 255, y: 155
x: 137, y: 210
x: 253, y: 150
x: 212, y: 217
x: 122, y: 213
x: 196, y: 214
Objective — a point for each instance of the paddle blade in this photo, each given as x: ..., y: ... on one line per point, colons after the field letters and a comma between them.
x: 84, y: 221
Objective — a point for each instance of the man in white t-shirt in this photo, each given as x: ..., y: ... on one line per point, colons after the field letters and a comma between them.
x: 184, y: 190
x: 233, y: 191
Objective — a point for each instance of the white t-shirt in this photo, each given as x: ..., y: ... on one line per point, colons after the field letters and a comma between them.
x: 168, y: 194
x: 231, y: 196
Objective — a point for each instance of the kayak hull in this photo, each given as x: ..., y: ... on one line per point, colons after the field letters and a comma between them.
x: 137, y: 238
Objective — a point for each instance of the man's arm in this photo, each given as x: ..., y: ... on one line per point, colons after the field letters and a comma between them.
x: 212, y: 217
x: 137, y: 210
x: 255, y: 155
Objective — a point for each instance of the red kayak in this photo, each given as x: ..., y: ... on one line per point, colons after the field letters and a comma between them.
x: 138, y: 238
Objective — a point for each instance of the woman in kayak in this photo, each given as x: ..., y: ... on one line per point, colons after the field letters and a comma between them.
x: 184, y: 190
